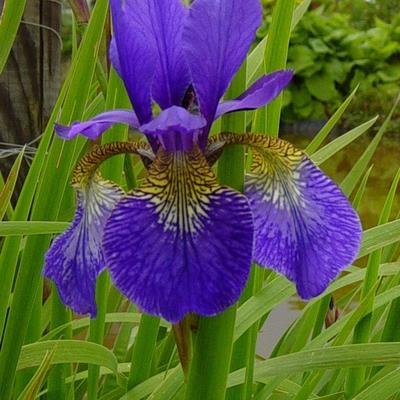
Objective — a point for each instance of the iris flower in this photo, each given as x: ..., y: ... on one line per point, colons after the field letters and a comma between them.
x: 182, y: 243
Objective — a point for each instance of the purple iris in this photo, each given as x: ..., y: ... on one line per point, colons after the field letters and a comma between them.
x: 181, y: 242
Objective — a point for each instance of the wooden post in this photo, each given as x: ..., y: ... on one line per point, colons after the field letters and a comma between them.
x: 30, y: 81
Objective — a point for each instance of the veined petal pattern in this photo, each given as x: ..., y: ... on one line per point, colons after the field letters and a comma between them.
x: 180, y: 243
x: 75, y: 258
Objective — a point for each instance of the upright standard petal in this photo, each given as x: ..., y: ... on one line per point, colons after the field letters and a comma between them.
x: 257, y: 95
x: 180, y: 243
x: 132, y: 53
x: 149, y: 46
x: 216, y: 38
x: 76, y: 258
x: 175, y: 128
x: 93, y: 128
x: 304, y: 226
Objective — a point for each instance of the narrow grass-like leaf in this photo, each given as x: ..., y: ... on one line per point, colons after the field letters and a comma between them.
x: 361, y: 189
x: 379, y: 236
x: 342, y: 141
x: 10, y: 210
x: 314, y: 145
x: 143, y: 350
x: 348, y: 184
x: 18, y: 228
x: 353, y: 355
x: 67, y: 351
x: 276, y: 51
x: 382, y: 389
x: 356, y: 377
x: 8, y: 188
x: 274, y: 293
x: 255, y: 60
x: 11, y: 16
x: 32, y: 389
x: 51, y: 188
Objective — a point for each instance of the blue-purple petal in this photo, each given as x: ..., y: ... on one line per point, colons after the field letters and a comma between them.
x: 114, y: 56
x: 305, y: 228
x: 133, y: 54
x: 216, y: 38
x: 147, y: 51
x: 175, y: 128
x: 180, y: 243
x: 260, y: 93
x: 172, y: 77
x: 93, y: 128
x: 75, y: 258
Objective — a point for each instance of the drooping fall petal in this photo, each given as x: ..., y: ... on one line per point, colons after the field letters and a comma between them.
x: 180, y: 243
x: 305, y: 228
x: 75, y: 258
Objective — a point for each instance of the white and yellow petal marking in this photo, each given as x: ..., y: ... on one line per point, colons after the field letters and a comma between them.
x: 76, y: 258
x: 305, y: 228
x: 180, y: 243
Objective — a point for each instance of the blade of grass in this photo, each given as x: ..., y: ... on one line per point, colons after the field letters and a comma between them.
x: 255, y: 60
x: 19, y: 228
x: 362, y: 330
x: 67, y: 351
x: 143, y: 350
x: 276, y: 51
x: 8, y: 188
x: 9, y: 22
x: 115, y: 98
x: 342, y: 141
x: 361, y: 189
x: 360, y: 166
x: 29, y: 272
x: 315, y: 144
x: 32, y: 389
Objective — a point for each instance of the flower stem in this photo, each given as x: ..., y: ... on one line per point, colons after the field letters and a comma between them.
x: 212, y: 350
x: 183, y: 338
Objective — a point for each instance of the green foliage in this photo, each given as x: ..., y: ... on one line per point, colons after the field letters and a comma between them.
x: 330, y: 57
x: 127, y: 355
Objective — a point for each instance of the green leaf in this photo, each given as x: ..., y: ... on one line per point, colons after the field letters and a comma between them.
x: 274, y: 293
x: 314, y: 145
x: 18, y: 228
x: 348, y: 184
x: 322, y: 87
x: 10, y: 19
x: 342, y: 141
x: 67, y: 351
x: 354, y: 355
x: 382, y: 389
x: 32, y: 389
x: 379, y: 236
x: 8, y: 188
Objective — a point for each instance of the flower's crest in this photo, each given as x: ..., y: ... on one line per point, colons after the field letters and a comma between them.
x: 181, y: 242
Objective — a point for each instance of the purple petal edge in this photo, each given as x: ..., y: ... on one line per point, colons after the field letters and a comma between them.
x: 93, y: 128
x: 175, y: 128
x: 305, y: 228
x: 180, y: 245
x: 75, y: 258
x: 216, y: 38
x: 263, y: 91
